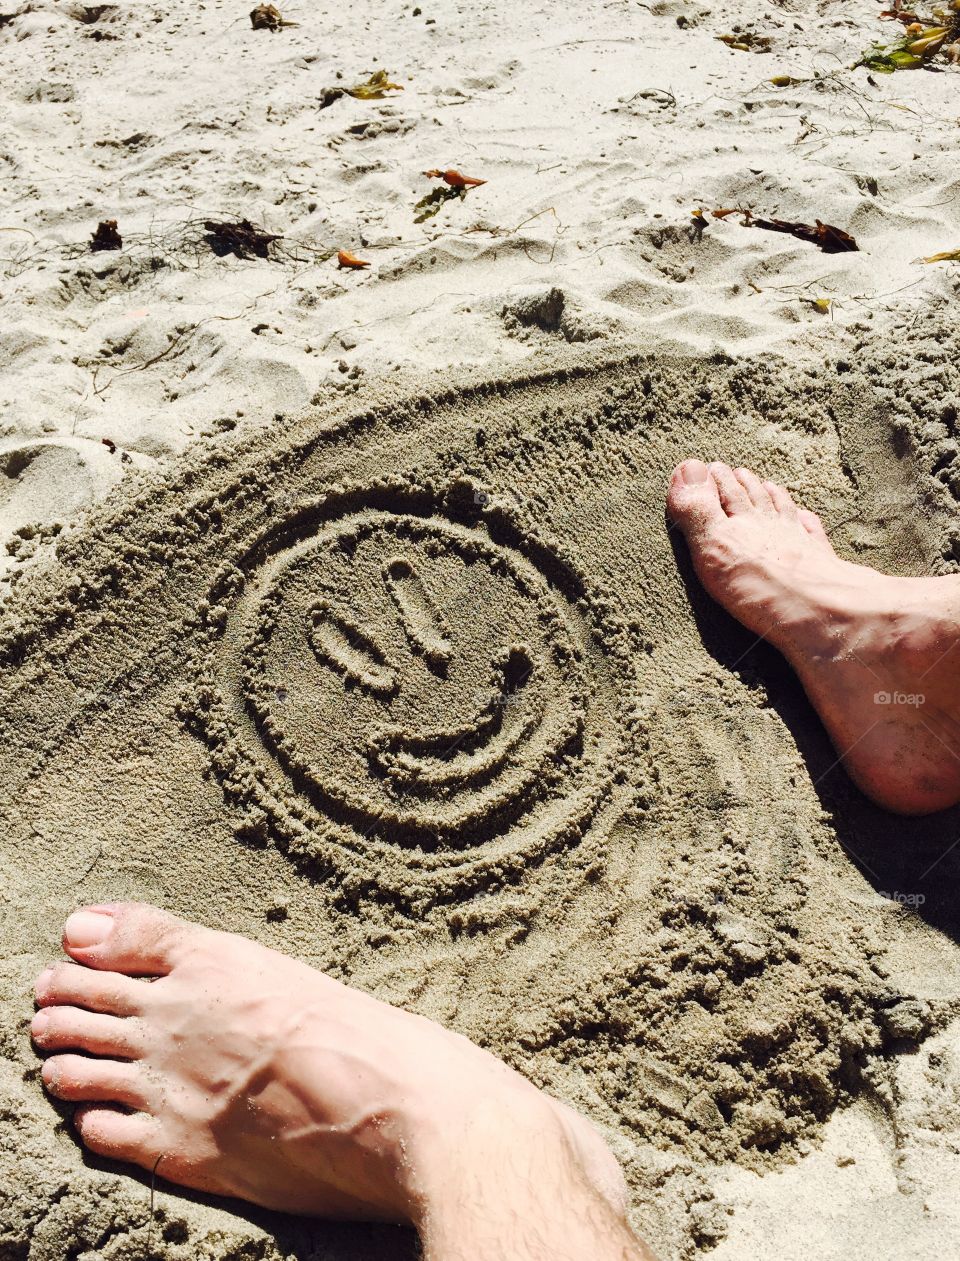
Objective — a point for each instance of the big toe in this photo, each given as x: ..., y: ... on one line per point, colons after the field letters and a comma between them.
x: 693, y: 501
x: 127, y: 937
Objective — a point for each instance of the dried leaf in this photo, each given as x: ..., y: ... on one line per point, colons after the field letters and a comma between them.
x: 454, y: 179
x: 918, y: 46
x: 375, y: 88
x: 106, y: 237
x: 266, y: 17
x: 345, y: 259
x: 820, y: 304
x: 948, y: 256
x: 240, y: 238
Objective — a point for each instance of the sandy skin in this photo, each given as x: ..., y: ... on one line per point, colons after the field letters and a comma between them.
x: 877, y: 654
x: 246, y: 1073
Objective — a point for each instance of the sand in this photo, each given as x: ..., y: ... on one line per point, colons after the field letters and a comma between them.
x: 341, y: 609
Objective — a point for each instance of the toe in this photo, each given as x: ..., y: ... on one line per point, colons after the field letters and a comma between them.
x: 127, y: 937
x: 733, y: 497
x: 132, y: 1136
x: 813, y: 525
x: 110, y: 992
x: 781, y: 500
x: 60, y: 1028
x: 692, y: 500
x: 78, y: 1078
x: 757, y: 492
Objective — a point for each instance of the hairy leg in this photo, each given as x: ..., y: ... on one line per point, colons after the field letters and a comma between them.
x: 239, y: 1071
x: 877, y: 655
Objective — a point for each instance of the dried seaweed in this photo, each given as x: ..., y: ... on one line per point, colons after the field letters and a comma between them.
x: 948, y: 256
x: 430, y: 205
x: 830, y: 239
x: 240, y: 238
x: 106, y: 237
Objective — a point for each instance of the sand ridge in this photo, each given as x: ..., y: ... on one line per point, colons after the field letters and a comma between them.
x: 678, y: 945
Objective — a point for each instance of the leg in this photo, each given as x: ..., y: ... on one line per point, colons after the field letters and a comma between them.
x: 877, y: 655
x: 245, y: 1073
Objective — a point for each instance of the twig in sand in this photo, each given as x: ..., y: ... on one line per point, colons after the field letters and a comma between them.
x: 175, y: 343
x: 664, y: 98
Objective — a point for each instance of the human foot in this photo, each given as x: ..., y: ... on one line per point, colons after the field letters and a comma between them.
x: 245, y: 1073
x: 877, y: 654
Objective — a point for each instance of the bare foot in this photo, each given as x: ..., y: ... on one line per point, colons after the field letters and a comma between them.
x: 246, y: 1073
x: 876, y: 654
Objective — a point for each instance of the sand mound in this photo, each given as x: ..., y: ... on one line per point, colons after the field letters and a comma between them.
x: 421, y: 694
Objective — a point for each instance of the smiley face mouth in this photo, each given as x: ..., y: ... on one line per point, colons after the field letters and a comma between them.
x: 474, y: 751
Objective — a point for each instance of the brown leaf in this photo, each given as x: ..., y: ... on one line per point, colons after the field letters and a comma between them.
x: 266, y: 17
x: 345, y: 259
x: 455, y: 179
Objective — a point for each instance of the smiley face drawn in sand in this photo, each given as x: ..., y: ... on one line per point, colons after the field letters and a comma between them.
x: 407, y: 675
x: 401, y: 678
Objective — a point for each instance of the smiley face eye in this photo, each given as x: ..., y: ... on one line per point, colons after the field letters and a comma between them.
x: 339, y: 642
x: 421, y: 619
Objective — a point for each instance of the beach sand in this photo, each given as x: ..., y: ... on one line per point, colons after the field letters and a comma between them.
x: 341, y: 609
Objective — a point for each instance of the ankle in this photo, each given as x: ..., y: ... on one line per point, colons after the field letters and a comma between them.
x: 517, y: 1164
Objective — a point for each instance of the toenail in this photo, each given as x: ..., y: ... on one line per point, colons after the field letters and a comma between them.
x: 694, y: 472
x: 38, y: 1025
x: 86, y: 928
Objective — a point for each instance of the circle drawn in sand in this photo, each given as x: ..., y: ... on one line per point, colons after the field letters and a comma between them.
x: 398, y: 669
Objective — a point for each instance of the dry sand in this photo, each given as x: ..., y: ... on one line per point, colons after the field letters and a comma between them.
x: 354, y: 520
